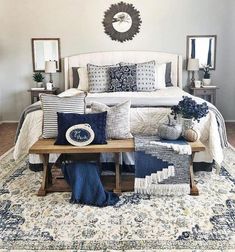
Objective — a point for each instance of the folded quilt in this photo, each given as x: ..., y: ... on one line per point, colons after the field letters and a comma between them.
x: 83, y: 177
x: 162, y: 167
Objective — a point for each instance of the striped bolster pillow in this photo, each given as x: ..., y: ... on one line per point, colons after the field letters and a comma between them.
x: 51, y: 104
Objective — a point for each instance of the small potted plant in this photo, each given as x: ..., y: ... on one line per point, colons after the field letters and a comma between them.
x: 189, y: 111
x: 207, y: 76
x: 38, y: 78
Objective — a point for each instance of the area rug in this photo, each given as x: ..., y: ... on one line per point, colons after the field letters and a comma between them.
x: 28, y: 222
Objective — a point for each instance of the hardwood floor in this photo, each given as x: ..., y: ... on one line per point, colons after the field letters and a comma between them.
x: 230, y: 126
x: 7, y: 135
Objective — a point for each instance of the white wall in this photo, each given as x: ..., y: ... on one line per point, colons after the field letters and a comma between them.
x: 226, y: 71
x: 165, y: 25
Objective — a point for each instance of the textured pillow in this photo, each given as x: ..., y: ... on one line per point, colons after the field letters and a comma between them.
x: 118, y: 119
x: 123, y: 78
x: 97, y: 122
x: 145, y: 75
x: 51, y: 104
x: 98, y: 77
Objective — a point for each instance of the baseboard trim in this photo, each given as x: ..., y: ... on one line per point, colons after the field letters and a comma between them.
x: 233, y: 121
x: 6, y: 153
x: 8, y: 122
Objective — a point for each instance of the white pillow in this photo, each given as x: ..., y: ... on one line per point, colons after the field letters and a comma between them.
x: 83, y: 79
x: 118, y: 119
x: 160, y: 76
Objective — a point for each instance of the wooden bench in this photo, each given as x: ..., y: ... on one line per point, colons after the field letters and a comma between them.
x: 119, y: 183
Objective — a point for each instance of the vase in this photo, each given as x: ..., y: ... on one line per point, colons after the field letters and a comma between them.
x: 206, y: 82
x: 187, y: 123
x: 39, y: 84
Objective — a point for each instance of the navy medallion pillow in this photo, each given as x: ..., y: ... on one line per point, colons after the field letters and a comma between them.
x: 145, y: 75
x: 97, y: 122
x: 123, y: 78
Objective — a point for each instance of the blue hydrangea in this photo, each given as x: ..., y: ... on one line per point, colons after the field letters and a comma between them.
x: 189, y: 108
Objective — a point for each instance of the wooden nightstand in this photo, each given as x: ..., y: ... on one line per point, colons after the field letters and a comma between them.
x: 35, y: 93
x: 206, y: 93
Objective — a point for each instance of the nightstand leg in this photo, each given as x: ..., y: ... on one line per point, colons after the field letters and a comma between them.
x: 32, y: 98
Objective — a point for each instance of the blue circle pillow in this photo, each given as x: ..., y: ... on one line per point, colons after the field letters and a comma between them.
x: 97, y: 122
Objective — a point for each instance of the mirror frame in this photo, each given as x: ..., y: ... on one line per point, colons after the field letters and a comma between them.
x: 202, y: 36
x: 33, y: 56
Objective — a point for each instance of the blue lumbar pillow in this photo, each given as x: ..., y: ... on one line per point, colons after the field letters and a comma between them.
x: 97, y: 122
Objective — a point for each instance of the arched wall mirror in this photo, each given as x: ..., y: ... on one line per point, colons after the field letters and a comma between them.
x: 202, y: 48
x: 45, y: 49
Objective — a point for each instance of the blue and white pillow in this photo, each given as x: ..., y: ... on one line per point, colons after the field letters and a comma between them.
x: 123, y: 78
x: 145, y: 76
x: 97, y: 122
x: 98, y: 78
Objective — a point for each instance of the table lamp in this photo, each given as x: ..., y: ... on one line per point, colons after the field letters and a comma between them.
x: 50, y: 67
x: 193, y: 65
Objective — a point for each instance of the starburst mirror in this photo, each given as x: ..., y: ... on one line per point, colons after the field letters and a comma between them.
x: 121, y: 21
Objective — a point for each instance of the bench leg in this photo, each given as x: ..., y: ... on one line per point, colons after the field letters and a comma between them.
x: 193, y: 188
x: 118, y: 189
x: 42, y: 191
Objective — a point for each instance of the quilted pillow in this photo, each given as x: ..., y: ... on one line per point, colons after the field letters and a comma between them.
x: 122, y: 78
x: 51, y: 104
x: 118, y: 119
x: 97, y: 122
x: 98, y: 77
x: 145, y: 75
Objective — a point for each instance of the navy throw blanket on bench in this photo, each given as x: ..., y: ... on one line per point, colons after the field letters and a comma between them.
x: 83, y: 177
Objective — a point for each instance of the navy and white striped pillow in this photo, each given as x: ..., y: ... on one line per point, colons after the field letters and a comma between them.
x: 51, y: 104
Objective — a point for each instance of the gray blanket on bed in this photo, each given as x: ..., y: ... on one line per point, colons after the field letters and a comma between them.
x: 33, y: 107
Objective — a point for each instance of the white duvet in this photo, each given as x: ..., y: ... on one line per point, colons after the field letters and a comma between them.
x: 144, y: 120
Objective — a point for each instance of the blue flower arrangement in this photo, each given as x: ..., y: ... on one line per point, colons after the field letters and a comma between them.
x: 189, y: 109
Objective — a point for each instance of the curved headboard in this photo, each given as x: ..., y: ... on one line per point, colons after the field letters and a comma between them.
x: 106, y: 58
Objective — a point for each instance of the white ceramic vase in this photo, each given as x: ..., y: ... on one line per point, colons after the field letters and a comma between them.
x: 186, y: 123
x: 206, y: 82
x: 39, y: 84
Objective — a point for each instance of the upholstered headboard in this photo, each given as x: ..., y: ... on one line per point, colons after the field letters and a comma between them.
x: 106, y: 58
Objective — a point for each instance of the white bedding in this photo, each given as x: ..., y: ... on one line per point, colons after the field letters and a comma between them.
x: 161, y: 97
x: 143, y: 120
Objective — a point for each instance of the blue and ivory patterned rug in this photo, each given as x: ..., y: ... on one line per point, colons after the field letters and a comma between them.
x: 206, y: 222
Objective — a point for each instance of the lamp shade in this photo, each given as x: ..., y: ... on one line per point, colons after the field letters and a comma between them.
x: 193, y: 64
x: 50, y: 67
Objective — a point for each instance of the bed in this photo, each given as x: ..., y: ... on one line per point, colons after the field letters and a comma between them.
x: 148, y: 110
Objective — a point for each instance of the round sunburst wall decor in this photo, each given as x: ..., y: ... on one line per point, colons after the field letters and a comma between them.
x: 122, y: 21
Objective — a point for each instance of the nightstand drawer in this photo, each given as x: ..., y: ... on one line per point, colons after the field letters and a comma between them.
x: 204, y: 92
